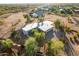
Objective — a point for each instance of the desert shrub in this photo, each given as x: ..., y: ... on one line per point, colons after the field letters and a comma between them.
x: 16, y: 35
x: 58, y: 24
x: 28, y: 18
x: 31, y: 46
x: 55, y: 46
x: 78, y: 34
x: 1, y: 22
x: 67, y: 29
x: 33, y: 31
x: 7, y: 43
x: 75, y: 36
x: 39, y: 35
x: 62, y: 39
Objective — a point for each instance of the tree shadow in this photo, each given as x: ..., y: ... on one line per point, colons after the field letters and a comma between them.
x: 49, y: 35
x: 18, y: 37
x: 67, y: 44
x: 77, y: 21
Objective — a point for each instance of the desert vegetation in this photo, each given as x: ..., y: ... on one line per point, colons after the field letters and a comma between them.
x: 65, y: 38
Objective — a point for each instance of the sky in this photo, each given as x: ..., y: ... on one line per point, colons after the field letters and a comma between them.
x: 37, y: 1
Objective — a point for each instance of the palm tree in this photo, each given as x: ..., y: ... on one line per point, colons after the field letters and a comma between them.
x: 31, y: 46
x: 55, y: 47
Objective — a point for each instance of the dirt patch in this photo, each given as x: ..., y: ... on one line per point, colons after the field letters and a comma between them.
x: 15, y: 20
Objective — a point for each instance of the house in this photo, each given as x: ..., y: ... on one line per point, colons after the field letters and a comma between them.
x: 45, y: 26
x: 46, y: 8
x: 38, y: 13
x: 28, y: 28
x: 62, y: 10
x: 76, y: 11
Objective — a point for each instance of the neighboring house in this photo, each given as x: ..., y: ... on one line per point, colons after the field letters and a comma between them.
x: 46, y: 26
x: 68, y: 11
x: 62, y: 10
x: 34, y: 15
x: 65, y: 11
x: 76, y: 11
x: 46, y: 8
x: 38, y: 13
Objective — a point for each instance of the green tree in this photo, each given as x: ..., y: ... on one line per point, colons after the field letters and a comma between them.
x: 55, y: 9
x: 28, y: 18
x: 57, y: 24
x: 40, y: 36
x: 16, y: 35
x: 33, y: 31
x: 31, y: 46
x: 55, y: 47
x: 7, y: 43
